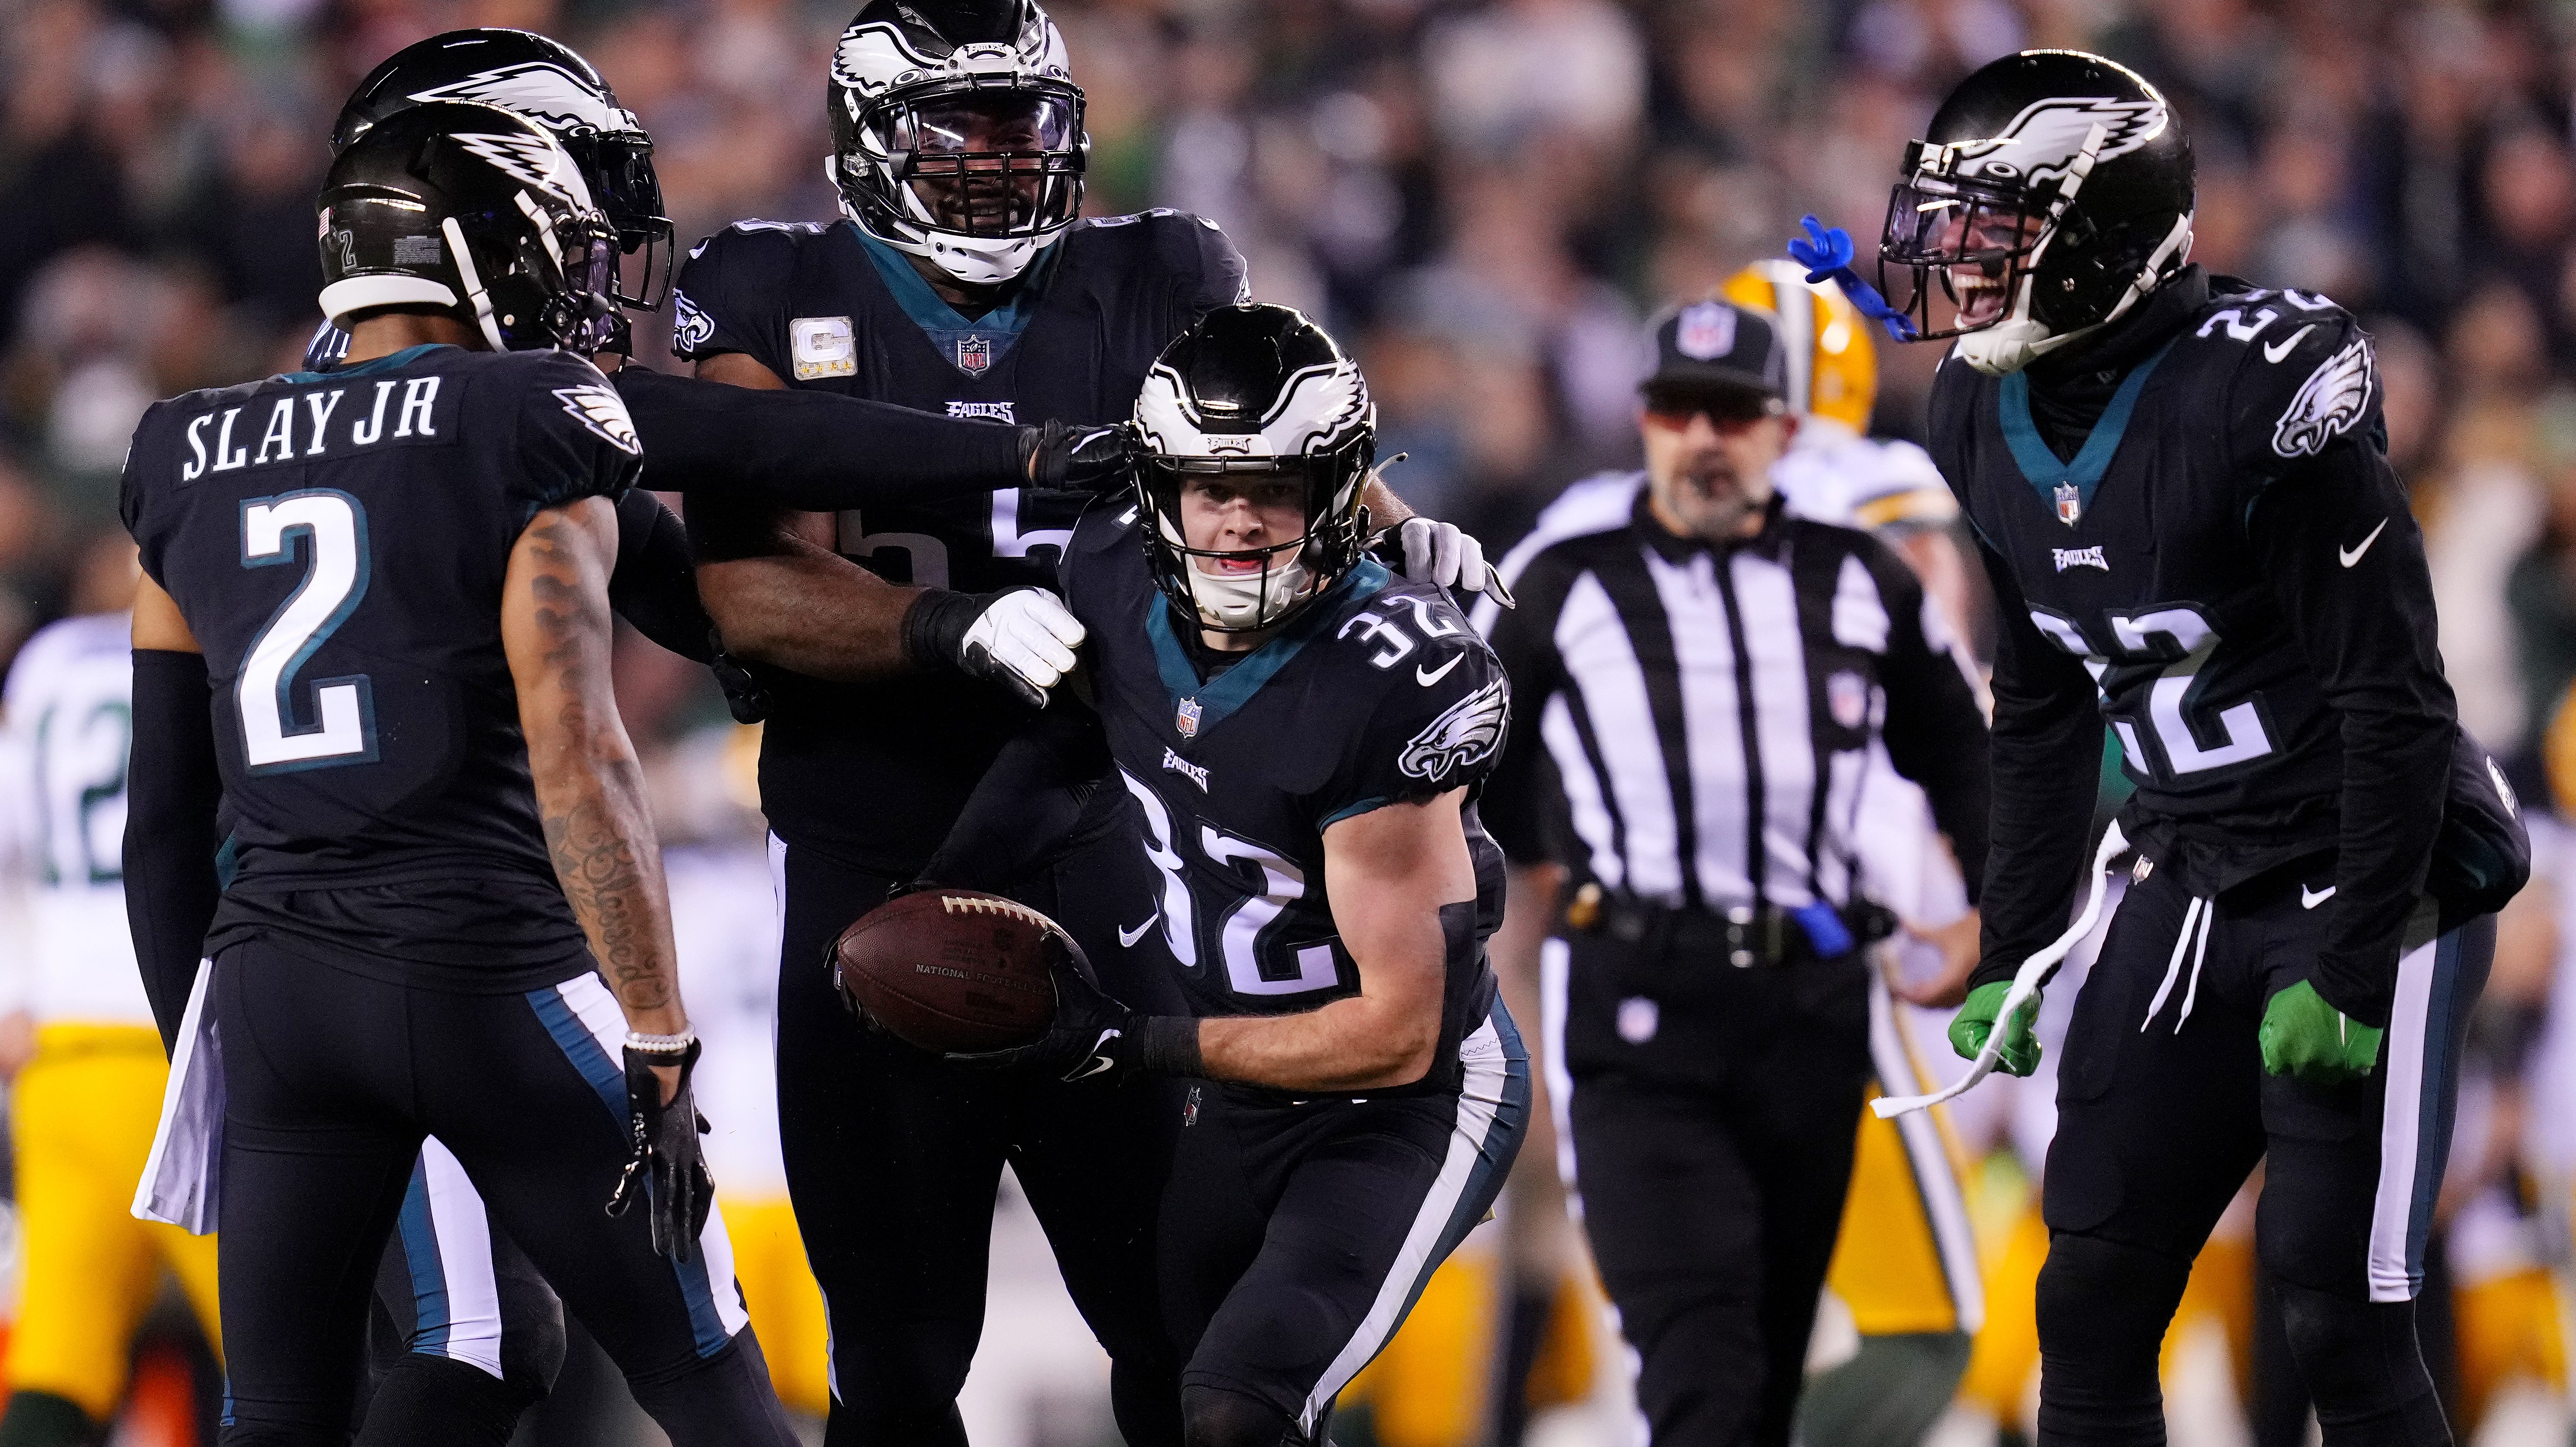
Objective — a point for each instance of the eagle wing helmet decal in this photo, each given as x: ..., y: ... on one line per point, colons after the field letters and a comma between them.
x: 531, y: 161
x: 543, y: 93
x: 2040, y: 141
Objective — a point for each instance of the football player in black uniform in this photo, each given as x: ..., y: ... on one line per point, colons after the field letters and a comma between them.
x: 475, y: 1334
x: 1303, y: 735
x: 960, y: 283
x: 2180, y: 488
x: 375, y: 623
x: 811, y: 450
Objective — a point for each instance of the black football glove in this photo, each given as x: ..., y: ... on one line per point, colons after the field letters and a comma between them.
x: 1094, y: 1033
x: 1084, y: 457
x: 1022, y: 639
x: 665, y: 1168
x: 745, y: 699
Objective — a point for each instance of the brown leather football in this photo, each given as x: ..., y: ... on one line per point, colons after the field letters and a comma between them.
x: 953, y: 969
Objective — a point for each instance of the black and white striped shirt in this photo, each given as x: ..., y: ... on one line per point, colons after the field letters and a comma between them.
x: 1692, y: 722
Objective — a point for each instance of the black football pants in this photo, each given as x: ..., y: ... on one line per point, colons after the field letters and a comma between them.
x: 893, y: 1157
x: 333, y: 1078
x: 2163, y: 1110
x: 1711, y: 1113
x: 1297, y: 1234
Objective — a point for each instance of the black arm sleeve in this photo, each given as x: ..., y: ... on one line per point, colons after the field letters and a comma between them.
x: 2046, y: 770
x: 655, y: 585
x: 1936, y: 734
x: 2365, y: 623
x: 174, y: 788
x: 1523, y: 796
x: 1028, y: 801
x: 812, y: 451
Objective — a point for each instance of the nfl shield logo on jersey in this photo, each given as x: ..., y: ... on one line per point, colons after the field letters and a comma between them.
x: 2070, y: 503
x: 974, y: 354
x: 1186, y: 723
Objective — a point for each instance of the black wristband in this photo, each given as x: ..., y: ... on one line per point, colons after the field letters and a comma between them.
x: 1168, y: 1045
x: 934, y: 627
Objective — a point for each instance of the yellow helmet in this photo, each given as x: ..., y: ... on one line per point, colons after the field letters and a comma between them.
x: 1833, y: 370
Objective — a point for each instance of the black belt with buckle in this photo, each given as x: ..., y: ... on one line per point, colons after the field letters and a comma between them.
x: 1746, y: 936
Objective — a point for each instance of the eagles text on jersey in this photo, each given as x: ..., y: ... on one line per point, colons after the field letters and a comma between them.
x: 1376, y: 693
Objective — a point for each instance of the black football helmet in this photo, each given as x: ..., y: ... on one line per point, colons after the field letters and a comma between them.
x: 549, y: 83
x: 957, y: 132
x: 2051, y: 191
x: 1252, y: 391
x: 454, y: 204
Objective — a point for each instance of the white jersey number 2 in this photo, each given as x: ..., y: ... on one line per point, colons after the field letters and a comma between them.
x: 342, y: 726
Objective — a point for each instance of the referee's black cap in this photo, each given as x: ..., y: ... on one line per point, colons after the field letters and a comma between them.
x: 1716, y: 347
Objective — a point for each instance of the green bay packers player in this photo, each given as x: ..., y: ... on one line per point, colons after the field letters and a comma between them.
x: 82, y: 1107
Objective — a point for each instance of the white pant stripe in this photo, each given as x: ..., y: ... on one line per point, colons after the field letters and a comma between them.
x: 1480, y: 1099
x: 2401, y: 1122
x: 1555, y: 960
x: 1936, y: 1179
x: 597, y: 1010
x: 464, y: 1236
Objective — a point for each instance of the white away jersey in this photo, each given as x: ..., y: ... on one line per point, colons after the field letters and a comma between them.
x: 69, y: 726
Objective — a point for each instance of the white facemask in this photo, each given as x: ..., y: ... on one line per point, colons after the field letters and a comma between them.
x: 1240, y: 601
x: 2020, y: 339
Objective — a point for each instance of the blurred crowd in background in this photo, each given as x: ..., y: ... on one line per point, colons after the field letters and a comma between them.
x: 1485, y: 197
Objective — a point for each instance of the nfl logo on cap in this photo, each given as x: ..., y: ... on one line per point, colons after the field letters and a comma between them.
x: 1706, y: 330
x: 974, y: 354
x: 2070, y: 503
x: 1186, y: 724
x: 1847, y: 698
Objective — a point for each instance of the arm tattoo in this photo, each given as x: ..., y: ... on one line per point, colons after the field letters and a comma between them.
x: 593, y: 813
x: 596, y: 862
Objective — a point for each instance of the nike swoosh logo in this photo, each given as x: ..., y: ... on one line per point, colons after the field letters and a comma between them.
x: 1099, y: 1060
x: 2307, y: 899
x: 2275, y: 351
x: 1429, y: 676
x: 1127, y: 938
x: 2351, y: 556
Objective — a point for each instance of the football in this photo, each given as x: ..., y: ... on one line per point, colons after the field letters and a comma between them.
x: 952, y: 969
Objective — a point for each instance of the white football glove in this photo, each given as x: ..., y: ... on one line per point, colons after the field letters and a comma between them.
x: 1024, y: 640
x: 1439, y: 552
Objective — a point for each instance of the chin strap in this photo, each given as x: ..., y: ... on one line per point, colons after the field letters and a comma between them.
x: 475, y: 295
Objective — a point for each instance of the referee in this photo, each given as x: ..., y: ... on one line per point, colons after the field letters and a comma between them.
x: 1700, y: 678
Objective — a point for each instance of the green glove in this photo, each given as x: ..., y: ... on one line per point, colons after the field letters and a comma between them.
x: 1976, y: 1020
x: 2313, y: 1042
